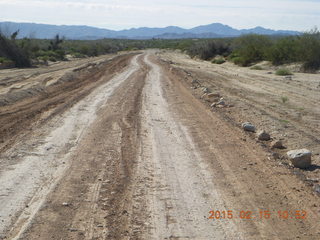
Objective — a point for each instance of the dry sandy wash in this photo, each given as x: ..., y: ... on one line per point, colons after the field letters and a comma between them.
x: 123, y: 147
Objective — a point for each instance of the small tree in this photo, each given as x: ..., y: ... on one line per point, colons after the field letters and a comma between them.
x: 10, y: 50
x: 55, y: 43
x: 310, y: 50
x: 285, y: 50
x: 251, y: 48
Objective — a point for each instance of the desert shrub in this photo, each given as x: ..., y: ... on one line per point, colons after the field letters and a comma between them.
x: 256, y: 68
x: 283, y: 72
x: 285, y: 50
x: 10, y: 50
x: 55, y: 43
x: 4, y: 60
x: 78, y: 55
x: 284, y: 99
x: 204, y: 50
x: 236, y: 59
x: 218, y: 61
x: 6, y: 63
x: 209, y: 49
x: 251, y: 48
x: 310, y: 50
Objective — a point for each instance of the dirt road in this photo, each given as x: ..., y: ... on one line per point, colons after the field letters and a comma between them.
x: 124, y: 149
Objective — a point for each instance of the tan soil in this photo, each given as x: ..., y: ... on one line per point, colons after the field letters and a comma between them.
x: 132, y: 152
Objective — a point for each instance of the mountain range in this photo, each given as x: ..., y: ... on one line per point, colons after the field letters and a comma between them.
x: 215, y: 30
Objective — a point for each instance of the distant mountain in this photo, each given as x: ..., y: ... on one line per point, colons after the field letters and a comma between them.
x: 187, y: 35
x: 215, y: 30
x: 149, y: 32
x: 264, y: 31
x: 45, y: 31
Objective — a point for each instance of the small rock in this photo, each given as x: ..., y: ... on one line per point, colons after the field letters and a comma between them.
x: 315, y: 180
x: 65, y: 204
x: 203, y: 96
x: 248, y: 127
x: 263, y: 136
x: 277, y: 144
x: 276, y: 155
x: 317, y: 188
x: 213, y: 95
x: 221, y: 103
x: 205, y: 90
x: 300, y: 158
x: 195, y: 81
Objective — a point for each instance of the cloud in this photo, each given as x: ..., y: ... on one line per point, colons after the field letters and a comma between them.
x: 118, y: 14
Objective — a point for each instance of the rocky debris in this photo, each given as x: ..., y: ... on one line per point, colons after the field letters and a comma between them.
x: 263, y: 135
x: 314, y: 180
x: 195, y: 83
x: 300, y: 158
x: 214, y: 95
x: 317, y: 188
x: 211, y: 97
x: 277, y: 144
x: 249, y: 127
x: 221, y: 103
x: 288, y: 77
x: 205, y: 90
x: 203, y: 96
x: 276, y: 155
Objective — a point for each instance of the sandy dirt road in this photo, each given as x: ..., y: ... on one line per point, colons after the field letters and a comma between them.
x: 136, y: 155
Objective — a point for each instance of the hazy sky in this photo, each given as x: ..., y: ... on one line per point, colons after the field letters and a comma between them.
x: 123, y: 14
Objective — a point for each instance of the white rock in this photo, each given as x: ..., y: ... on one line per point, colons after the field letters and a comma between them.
x: 248, y: 127
x: 300, y: 158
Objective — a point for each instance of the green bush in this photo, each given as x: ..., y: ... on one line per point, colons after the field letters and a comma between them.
x: 310, y: 50
x: 283, y: 72
x: 6, y: 63
x: 239, y: 61
x: 256, y: 68
x: 284, y: 99
x: 218, y: 61
x: 251, y: 48
x: 285, y: 50
x: 78, y: 55
x: 5, y: 60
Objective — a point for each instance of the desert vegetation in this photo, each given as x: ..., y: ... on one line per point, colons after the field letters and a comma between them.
x: 244, y: 51
x: 250, y: 49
